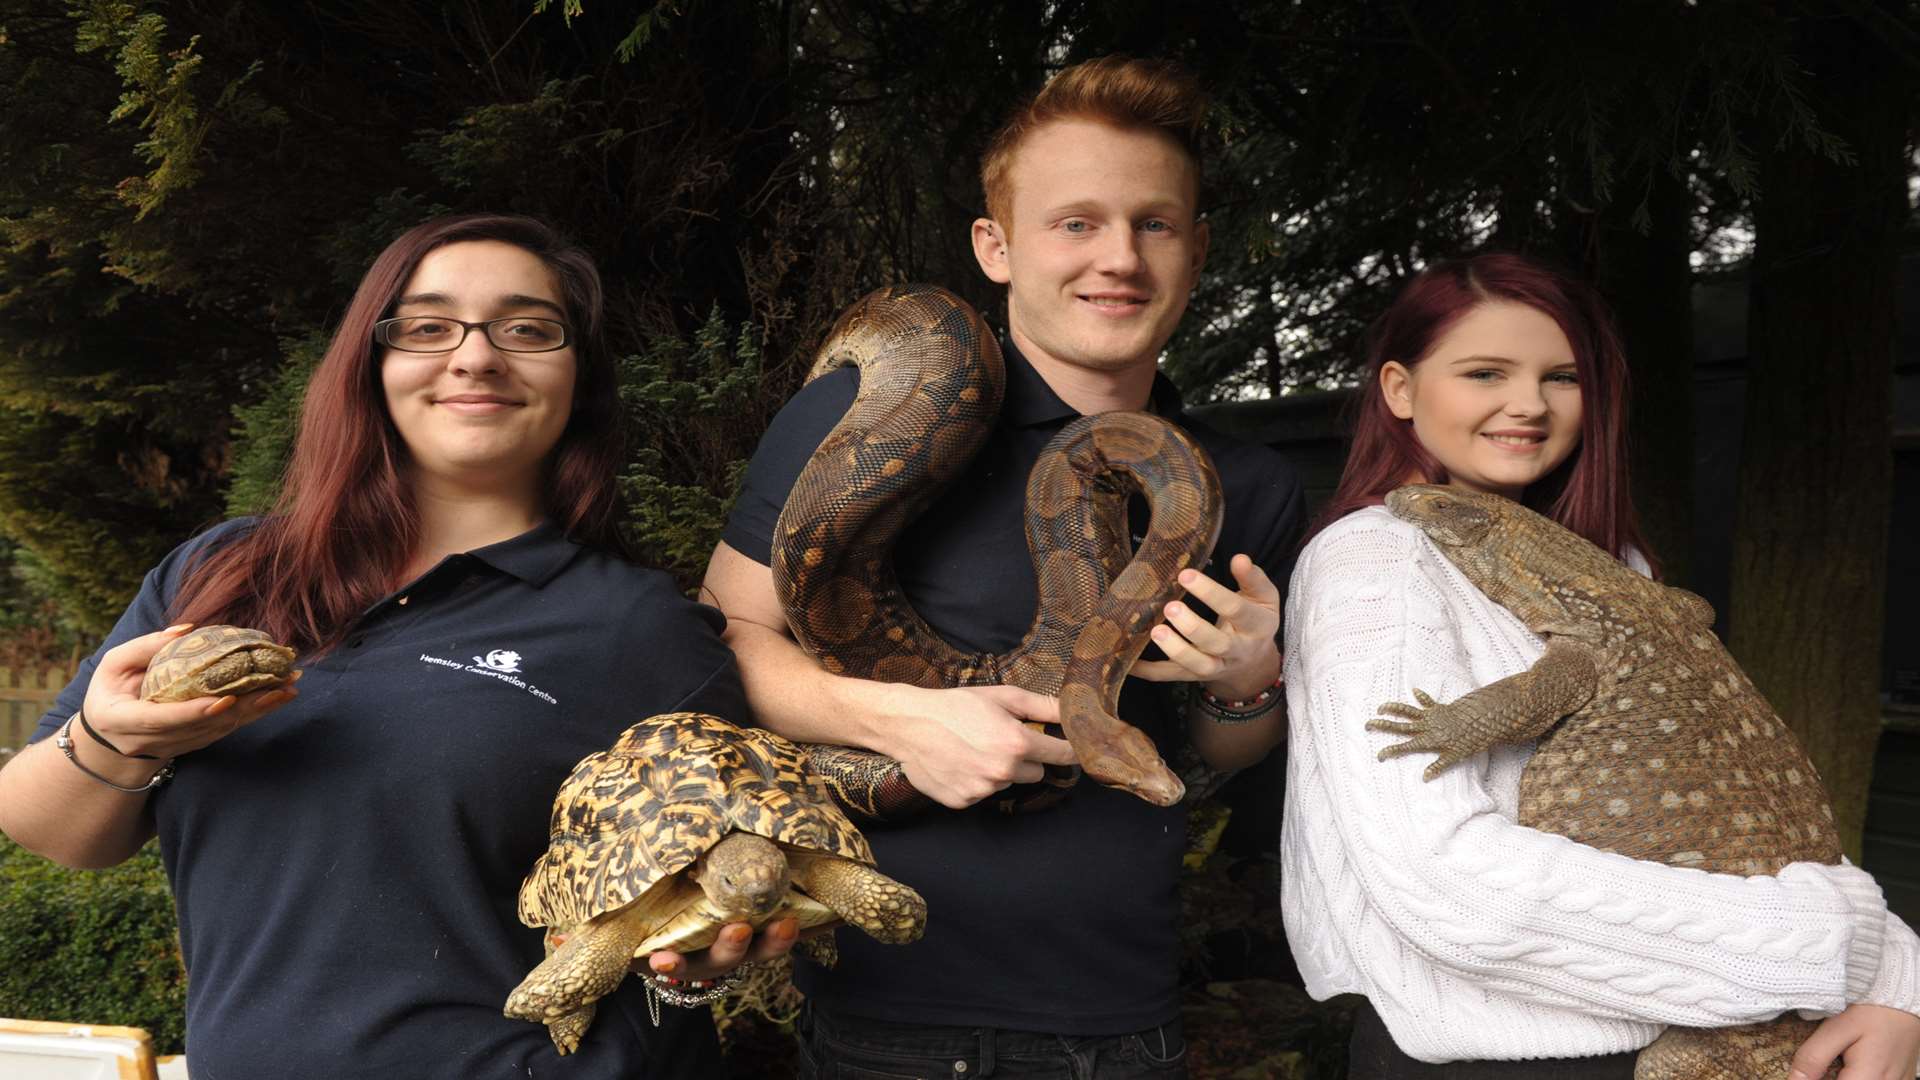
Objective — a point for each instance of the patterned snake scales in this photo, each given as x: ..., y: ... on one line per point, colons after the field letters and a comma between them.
x: 931, y: 381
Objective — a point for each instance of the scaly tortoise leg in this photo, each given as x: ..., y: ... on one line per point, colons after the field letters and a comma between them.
x: 889, y: 911
x: 567, y: 1031
x: 560, y: 992
x: 822, y: 949
x: 1514, y: 709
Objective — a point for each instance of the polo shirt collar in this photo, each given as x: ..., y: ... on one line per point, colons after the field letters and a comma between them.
x: 1030, y: 402
x: 534, y: 556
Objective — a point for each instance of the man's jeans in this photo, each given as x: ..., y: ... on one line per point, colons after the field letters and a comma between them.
x: 855, y: 1048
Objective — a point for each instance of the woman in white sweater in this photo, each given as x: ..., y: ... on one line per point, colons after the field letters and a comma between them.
x: 1497, y: 949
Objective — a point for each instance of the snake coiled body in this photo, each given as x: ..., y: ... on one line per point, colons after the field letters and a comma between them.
x: 931, y: 381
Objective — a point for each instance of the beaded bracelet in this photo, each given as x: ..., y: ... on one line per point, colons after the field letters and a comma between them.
x: 1251, y: 703
x: 64, y: 740
x: 1232, y: 713
x: 698, y: 991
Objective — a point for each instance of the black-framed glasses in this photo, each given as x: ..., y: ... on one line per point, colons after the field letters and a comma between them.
x: 438, y: 334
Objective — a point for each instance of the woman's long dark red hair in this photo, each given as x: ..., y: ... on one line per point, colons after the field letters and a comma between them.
x: 345, y: 525
x: 1589, y: 492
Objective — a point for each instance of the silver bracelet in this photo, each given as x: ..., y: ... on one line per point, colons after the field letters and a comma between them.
x: 64, y: 740
x: 698, y: 992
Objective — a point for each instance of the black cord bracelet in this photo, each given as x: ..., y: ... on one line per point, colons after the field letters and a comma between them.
x: 81, y: 716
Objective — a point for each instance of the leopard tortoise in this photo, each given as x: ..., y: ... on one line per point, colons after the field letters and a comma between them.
x: 685, y: 824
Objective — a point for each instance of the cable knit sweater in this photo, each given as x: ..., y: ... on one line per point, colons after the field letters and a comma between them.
x: 1477, y: 938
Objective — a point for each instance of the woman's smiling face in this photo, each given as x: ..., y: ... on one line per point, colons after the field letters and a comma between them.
x: 1496, y: 399
x: 479, y: 416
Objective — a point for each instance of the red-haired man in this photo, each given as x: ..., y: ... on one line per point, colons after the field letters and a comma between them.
x: 1050, y: 938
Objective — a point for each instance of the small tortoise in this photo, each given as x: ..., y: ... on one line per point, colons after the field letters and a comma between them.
x: 216, y: 660
x: 686, y: 824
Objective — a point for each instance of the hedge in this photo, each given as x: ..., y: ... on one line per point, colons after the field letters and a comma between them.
x: 91, y: 946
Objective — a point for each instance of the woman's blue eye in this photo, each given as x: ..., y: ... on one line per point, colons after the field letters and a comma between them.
x: 1566, y: 377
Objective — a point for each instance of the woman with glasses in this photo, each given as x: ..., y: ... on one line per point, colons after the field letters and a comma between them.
x: 345, y: 852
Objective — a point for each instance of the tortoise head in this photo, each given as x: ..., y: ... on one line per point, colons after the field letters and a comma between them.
x: 744, y: 876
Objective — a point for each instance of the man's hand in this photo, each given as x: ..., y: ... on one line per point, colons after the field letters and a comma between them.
x: 1235, y: 657
x: 962, y: 745
x: 1874, y: 1043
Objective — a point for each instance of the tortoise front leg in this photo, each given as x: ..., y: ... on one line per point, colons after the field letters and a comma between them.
x: 889, y: 911
x: 1514, y: 709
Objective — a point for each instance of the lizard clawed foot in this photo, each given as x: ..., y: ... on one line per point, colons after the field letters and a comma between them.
x: 1453, y: 730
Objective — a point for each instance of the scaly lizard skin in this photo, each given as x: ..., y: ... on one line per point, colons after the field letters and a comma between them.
x: 1656, y: 745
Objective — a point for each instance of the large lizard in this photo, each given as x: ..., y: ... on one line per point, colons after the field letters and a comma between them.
x: 1656, y: 745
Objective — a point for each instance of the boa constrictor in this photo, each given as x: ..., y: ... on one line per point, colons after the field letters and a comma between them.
x: 931, y: 381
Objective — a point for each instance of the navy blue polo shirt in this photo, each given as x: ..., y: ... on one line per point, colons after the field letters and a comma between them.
x: 346, y: 869
x: 1059, y: 921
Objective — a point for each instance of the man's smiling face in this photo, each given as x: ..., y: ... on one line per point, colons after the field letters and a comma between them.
x: 1102, y: 246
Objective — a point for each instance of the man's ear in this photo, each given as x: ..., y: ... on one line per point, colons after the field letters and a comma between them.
x: 1396, y: 386
x: 990, y: 250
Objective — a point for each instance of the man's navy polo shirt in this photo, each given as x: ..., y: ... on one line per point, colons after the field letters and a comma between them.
x: 346, y: 869
x: 1064, y: 920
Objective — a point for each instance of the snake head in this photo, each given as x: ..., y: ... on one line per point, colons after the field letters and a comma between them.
x: 1113, y: 751
x: 1123, y: 757
x: 1157, y: 785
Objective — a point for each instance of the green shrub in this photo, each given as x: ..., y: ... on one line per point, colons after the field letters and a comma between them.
x: 92, y: 946
x: 695, y: 407
x: 263, y: 431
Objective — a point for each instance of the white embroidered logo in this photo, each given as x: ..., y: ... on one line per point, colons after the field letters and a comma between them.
x: 502, y: 664
x: 500, y: 660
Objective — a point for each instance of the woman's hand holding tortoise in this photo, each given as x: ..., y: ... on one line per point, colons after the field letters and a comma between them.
x: 138, y: 728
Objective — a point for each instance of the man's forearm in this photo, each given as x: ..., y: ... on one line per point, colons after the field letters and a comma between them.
x: 1231, y: 747
x: 791, y: 694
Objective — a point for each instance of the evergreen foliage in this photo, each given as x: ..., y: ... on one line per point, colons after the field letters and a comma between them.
x: 689, y: 406
x: 264, y: 430
x: 91, y: 946
x: 184, y: 201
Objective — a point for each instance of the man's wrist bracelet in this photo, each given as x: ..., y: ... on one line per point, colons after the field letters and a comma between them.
x: 1254, y: 702
x: 64, y: 740
x: 81, y: 715
x: 1229, y: 712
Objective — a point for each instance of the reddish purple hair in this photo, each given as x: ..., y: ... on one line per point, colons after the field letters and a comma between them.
x: 345, y: 525
x: 1588, y: 492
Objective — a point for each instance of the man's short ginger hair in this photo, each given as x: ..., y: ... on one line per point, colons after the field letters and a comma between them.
x: 1157, y: 95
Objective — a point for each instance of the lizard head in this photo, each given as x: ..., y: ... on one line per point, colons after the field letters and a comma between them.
x: 1452, y: 517
x: 1521, y: 560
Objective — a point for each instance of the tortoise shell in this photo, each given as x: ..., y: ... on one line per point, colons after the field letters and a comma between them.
x: 633, y: 815
x: 213, y: 660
